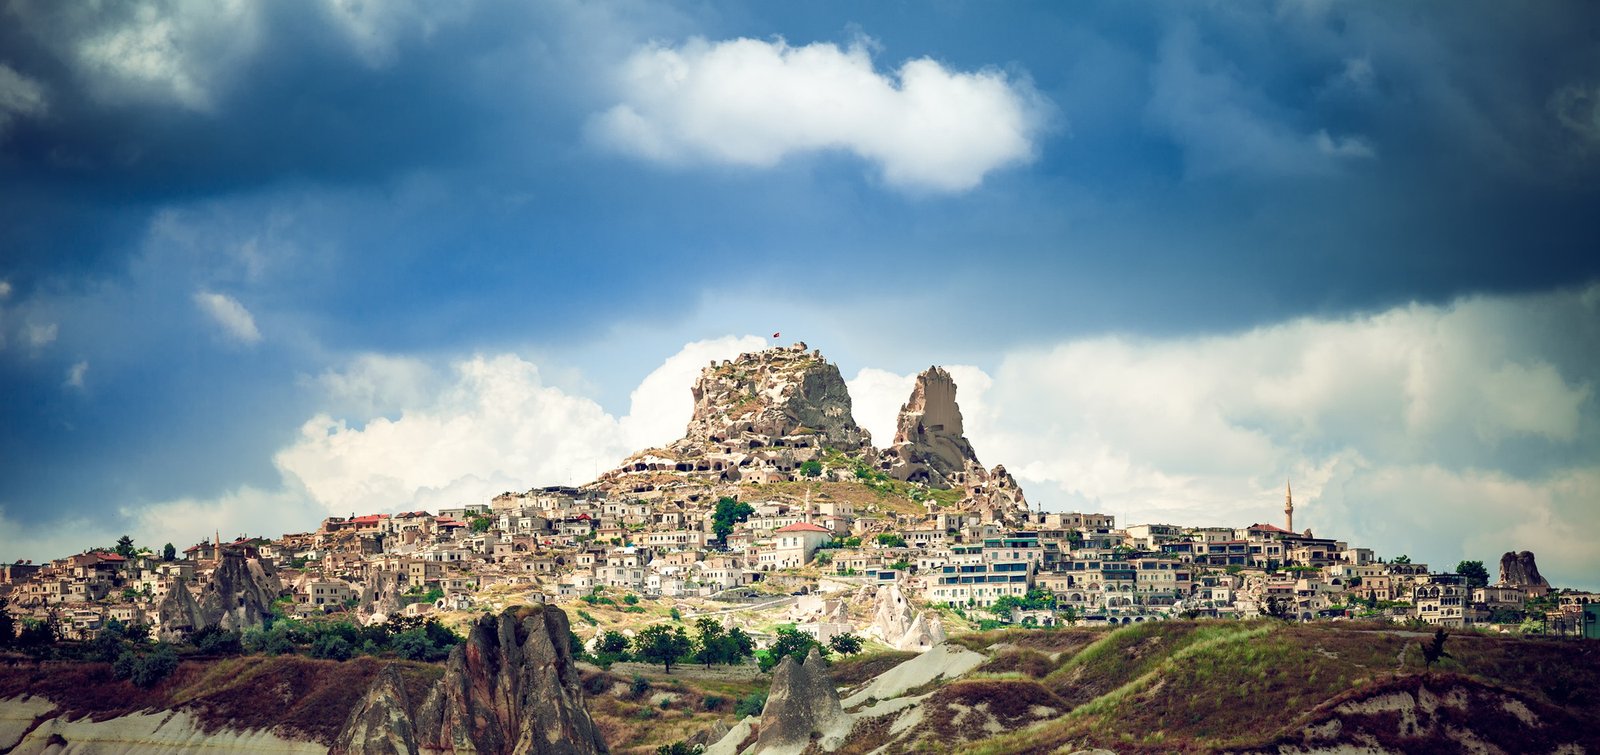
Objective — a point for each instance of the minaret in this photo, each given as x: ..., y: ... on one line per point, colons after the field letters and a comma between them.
x: 1288, y: 507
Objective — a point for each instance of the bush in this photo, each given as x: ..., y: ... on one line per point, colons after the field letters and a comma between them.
x: 332, y: 647
x: 146, y: 670
x: 711, y: 702
x: 751, y: 706
x: 639, y: 687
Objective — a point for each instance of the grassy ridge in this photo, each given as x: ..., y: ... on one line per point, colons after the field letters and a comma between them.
x: 1207, y: 686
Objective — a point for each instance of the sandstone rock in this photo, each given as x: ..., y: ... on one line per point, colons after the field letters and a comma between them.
x: 781, y: 395
x: 929, y: 446
x: 899, y: 625
x: 1519, y: 570
x: 381, y: 723
x: 178, y: 613
x: 802, y: 701
x: 240, y: 593
x: 512, y: 687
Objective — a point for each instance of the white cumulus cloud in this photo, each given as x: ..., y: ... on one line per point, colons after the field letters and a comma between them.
x: 1449, y: 432
x: 236, y: 321
x: 753, y: 103
x: 75, y: 375
x: 492, y: 424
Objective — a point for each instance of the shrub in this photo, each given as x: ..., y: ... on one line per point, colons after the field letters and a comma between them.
x: 639, y: 687
x: 332, y: 647
x: 751, y: 706
x: 711, y: 702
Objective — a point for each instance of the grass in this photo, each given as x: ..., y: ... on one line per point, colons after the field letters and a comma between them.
x: 1208, y: 686
x: 301, y: 697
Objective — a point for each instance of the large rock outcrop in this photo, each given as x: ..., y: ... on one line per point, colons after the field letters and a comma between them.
x: 800, y: 703
x: 239, y: 594
x: 178, y: 613
x: 510, y: 688
x: 779, y: 395
x: 1519, y: 570
x: 929, y: 444
x: 381, y: 723
x: 930, y: 447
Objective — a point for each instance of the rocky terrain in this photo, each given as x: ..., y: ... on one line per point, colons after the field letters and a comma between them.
x: 512, y: 687
x: 1196, y: 687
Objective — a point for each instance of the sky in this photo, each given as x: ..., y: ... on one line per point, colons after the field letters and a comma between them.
x: 266, y: 262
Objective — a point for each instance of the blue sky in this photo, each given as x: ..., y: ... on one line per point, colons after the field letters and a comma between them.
x: 266, y: 261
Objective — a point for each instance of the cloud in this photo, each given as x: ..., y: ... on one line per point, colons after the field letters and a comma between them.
x: 660, y: 408
x: 177, y: 51
x: 235, y: 320
x: 1577, y: 108
x: 754, y: 103
x: 75, y: 375
x: 19, y: 96
x: 492, y: 424
x: 1226, y: 125
x: 40, y: 335
x: 1448, y: 432
x: 5, y: 289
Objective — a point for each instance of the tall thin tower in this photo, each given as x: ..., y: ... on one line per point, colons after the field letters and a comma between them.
x: 1288, y: 506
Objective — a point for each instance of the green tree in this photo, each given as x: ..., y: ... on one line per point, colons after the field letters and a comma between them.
x: 612, y: 647
x: 125, y: 547
x: 680, y: 748
x: 845, y: 644
x: 1476, y: 575
x: 1433, y: 650
x: 480, y: 524
x: 663, y: 644
x: 169, y: 552
x: 1401, y: 559
x: 891, y: 540
x: 790, y: 642
x: 728, y: 513
x: 811, y: 468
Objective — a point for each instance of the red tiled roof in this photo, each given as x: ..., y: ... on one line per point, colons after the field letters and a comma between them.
x: 804, y: 527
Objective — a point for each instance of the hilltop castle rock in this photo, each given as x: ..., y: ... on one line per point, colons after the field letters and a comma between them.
x: 756, y: 419
x: 783, y: 397
x: 511, y: 687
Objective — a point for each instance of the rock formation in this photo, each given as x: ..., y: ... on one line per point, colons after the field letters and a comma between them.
x: 802, y: 701
x: 240, y: 593
x: 929, y: 446
x: 380, y: 594
x: 178, y: 614
x: 381, y: 723
x: 1519, y: 570
x: 899, y: 625
x: 776, y: 394
x: 512, y: 687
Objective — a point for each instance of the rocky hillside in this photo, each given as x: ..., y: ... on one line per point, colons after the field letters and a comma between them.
x: 512, y: 687
x: 1203, y: 687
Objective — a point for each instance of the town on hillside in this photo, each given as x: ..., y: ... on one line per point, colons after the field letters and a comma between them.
x: 776, y: 505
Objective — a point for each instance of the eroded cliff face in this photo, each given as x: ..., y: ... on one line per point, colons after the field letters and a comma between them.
x: 930, y: 447
x: 511, y: 688
x: 929, y: 444
x: 240, y: 593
